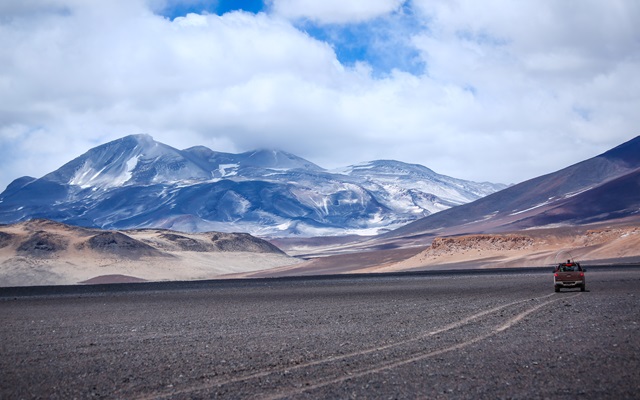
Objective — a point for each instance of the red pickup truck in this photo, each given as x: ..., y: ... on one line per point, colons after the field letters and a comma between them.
x: 569, y: 275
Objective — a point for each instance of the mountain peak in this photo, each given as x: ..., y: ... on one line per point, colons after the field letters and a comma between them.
x: 277, y: 159
x: 131, y: 159
x: 138, y: 139
x: 387, y: 166
x: 138, y: 136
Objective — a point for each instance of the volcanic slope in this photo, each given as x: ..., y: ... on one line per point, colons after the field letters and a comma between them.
x: 602, y: 189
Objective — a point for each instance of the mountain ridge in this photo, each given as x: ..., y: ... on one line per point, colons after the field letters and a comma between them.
x: 135, y: 182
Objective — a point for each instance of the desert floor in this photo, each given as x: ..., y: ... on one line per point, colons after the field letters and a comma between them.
x: 487, y: 334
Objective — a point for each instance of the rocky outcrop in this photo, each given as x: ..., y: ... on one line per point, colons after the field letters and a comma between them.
x: 121, y: 245
x: 185, y: 243
x: 5, y: 239
x: 595, y: 237
x: 242, y: 242
x: 460, y: 244
x: 42, y: 244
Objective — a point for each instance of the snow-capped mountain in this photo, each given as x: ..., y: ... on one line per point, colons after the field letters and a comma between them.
x: 415, y: 187
x: 136, y: 182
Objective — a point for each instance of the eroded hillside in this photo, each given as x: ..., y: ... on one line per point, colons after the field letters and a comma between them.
x: 535, y: 248
x: 42, y: 252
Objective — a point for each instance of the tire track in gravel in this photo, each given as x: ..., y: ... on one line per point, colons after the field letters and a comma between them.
x: 404, y: 361
x: 390, y: 364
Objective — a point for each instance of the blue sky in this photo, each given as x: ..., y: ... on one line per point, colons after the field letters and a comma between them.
x: 496, y: 90
x: 381, y: 42
x: 175, y: 9
x: 376, y: 41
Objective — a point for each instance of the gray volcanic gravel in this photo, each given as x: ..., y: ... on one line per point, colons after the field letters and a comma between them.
x: 473, y: 336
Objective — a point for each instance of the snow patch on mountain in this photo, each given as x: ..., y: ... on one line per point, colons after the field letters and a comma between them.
x: 89, y: 177
x: 227, y: 170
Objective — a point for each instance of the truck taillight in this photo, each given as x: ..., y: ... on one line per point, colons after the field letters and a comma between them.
x: 581, y: 274
x: 556, y: 274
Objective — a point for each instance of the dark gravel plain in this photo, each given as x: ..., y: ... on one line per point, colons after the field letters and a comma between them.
x: 472, y: 336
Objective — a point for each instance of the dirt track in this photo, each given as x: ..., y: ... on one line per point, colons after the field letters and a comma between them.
x: 459, y: 336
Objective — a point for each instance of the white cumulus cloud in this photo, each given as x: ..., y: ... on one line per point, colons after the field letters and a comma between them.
x: 509, y: 90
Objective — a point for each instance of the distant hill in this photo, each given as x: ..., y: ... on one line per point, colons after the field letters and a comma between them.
x: 44, y: 252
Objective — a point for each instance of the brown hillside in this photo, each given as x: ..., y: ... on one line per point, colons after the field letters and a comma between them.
x: 536, y: 248
x: 42, y: 252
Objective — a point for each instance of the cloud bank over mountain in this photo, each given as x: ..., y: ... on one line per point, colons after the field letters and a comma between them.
x: 493, y: 91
